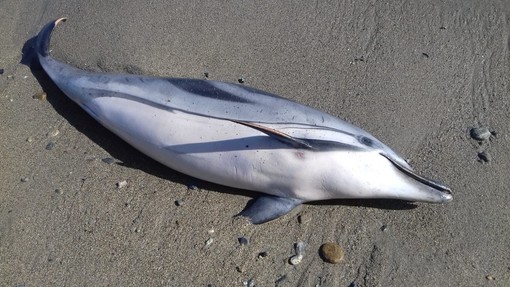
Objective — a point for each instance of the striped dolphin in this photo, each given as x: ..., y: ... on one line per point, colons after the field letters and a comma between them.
x: 242, y: 137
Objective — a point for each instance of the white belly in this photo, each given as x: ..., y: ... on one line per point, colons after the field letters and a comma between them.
x: 214, y: 150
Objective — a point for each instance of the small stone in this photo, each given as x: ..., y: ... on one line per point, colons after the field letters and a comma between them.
x: 192, y: 187
x: 58, y: 191
x: 121, y: 184
x: 280, y: 280
x: 490, y: 278
x: 209, y: 241
x: 239, y: 269
x: 480, y: 134
x: 108, y: 160
x: 243, y: 240
x: 2, y: 71
x: 262, y: 254
x: 53, y: 133
x: 24, y: 179
x: 210, y: 231
x: 50, y: 145
x: 241, y: 80
x: 484, y: 156
x: 30, y: 139
x: 304, y: 218
x: 178, y: 202
x: 206, y: 74
x: 331, y: 253
x: 10, y: 77
x: 137, y: 230
x: 299, y: 247
x: 249, y: 283
x: 41, y: 96
x: 384, y: 227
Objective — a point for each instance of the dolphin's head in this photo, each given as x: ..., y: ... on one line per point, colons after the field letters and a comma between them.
x: 366, y: 168
x: 419, y: 188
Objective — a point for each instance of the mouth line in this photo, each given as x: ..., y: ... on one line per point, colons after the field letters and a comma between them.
x: 429, y: 182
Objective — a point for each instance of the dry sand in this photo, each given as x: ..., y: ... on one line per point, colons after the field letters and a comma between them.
x: 417, y: 75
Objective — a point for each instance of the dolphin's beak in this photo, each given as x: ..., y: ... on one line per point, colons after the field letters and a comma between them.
x: 445, y: 193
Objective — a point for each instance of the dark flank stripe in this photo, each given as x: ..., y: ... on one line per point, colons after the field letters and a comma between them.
x: 205, y: 89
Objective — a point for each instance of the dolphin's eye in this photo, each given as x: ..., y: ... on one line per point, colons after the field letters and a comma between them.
x: 367, y: 141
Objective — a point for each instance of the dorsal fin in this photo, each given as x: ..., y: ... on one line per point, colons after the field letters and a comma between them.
x: 283, y: 137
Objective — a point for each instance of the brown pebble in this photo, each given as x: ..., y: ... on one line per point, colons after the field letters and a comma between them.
x: 331, y: 253
x: 41, y: 96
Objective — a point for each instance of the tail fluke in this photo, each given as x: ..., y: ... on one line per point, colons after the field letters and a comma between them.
x: 42, y: 43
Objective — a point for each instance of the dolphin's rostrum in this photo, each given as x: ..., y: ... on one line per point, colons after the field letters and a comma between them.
x: 242, y: 137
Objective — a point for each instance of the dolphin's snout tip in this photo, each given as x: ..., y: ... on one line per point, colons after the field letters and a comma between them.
x: 447, y: 198
x: 446, y: 195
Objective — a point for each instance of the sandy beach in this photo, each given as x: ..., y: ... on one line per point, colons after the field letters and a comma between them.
x: 418, y: 76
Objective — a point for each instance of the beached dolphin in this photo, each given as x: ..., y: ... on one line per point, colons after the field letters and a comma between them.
x: 241, y: 137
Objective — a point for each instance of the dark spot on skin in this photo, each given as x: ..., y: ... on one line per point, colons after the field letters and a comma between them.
x: 366, y: 141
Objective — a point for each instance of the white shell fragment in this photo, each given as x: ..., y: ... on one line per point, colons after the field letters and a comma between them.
x: 300, y: 253
x: 121, y: 184
x: 296, y: 259
x: 53, y: 133
x: 209, y: 241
